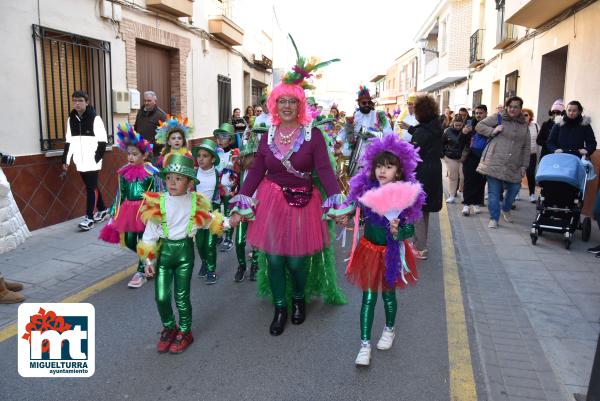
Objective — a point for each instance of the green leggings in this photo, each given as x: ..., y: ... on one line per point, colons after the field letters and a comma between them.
x: 276, y: 272
x: 367, y: 311
x: 227, y: 212
x: 207, y: 249
x: 131, y: 240
x: 240, y: 246
x: 175, y: 266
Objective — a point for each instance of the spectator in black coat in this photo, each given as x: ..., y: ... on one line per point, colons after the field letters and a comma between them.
x: 556, y: 110
x: 572, y: 132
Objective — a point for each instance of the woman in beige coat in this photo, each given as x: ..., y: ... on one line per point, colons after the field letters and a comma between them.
x: 505, y: 158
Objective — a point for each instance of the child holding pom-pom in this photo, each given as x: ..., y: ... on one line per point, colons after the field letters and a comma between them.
x: 135, y: 178
x: 391, y: 198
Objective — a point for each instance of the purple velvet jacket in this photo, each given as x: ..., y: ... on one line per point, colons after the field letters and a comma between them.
x: 312, y: 155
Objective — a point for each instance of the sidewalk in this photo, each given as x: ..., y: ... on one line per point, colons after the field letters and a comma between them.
x: 58, y: 261
x: 535, y: 309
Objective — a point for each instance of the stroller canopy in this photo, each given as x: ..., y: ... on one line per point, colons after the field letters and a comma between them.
x: 561, y: 167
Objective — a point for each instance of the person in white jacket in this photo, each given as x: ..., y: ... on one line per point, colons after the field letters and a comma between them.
x: 85, y: 143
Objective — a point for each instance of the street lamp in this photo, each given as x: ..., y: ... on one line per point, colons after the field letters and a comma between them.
x: 422, y: 44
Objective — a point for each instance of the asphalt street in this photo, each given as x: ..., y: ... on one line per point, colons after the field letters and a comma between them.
x: 234, y: 357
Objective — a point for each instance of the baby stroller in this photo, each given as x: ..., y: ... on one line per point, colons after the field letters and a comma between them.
x: 562, y: 178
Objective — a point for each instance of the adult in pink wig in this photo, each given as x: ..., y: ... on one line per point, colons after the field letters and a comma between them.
x: 285, y: 218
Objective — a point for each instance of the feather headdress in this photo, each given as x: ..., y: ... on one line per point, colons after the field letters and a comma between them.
x: 126, y: 136
x: 304, y: 69
x: 363, y: 93
x: 173, y: 124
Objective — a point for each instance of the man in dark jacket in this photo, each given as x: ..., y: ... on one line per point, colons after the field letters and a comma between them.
x: 148, y: 118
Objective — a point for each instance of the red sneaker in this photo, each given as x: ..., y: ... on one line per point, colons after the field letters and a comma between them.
x: 166, y: 338
x: 181, y: 342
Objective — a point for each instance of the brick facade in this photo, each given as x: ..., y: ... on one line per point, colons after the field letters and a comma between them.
x: 180, y: 46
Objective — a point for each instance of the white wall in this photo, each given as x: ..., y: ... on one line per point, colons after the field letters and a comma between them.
x: 19, y: 100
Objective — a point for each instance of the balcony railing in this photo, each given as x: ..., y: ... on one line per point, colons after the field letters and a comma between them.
x: 505, y: 35
x: 476, y: 49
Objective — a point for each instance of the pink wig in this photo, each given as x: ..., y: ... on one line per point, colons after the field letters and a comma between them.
x: 288, y: 90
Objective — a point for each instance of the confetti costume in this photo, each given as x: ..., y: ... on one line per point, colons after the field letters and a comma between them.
x: 125, y: 226
x: 167, y: 243
x: 382, y: 261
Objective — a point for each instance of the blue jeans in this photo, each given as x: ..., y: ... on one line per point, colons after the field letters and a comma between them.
x: 495, y: 188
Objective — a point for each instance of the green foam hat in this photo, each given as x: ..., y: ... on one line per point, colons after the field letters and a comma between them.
x: 179, y: 164
x: 210, y: 147
x: 224, y: 129
x: 261, y: 128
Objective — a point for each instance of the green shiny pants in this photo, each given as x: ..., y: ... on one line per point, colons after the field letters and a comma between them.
x: 227, y: 212
x: 174, y: 269
x: 131, y: 240
x: 207, y: 249
x: 298, y: 271
x: 367, y: 311
x: 240, y: 246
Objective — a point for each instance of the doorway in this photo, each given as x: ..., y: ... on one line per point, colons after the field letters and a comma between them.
x: 552, y: 80
x: 153, y: 66
x: 495, y: 100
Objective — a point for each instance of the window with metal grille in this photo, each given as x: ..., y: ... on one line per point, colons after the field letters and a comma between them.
x: 510, y: 84
x: 477, y: 95
x: 64, y: 63
x: 224, y: 98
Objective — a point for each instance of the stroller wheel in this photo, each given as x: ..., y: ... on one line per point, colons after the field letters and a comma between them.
x: 534, y: 239
x: 567, y: 243
x: 586, y: 229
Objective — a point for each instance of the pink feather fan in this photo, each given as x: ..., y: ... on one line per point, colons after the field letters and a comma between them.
x: 391, y: 199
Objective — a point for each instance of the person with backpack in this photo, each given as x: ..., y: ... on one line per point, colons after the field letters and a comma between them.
x: 473, y: 145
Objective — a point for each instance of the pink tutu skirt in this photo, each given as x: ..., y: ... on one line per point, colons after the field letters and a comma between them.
x: 127, y: 219
x: 281, y: 229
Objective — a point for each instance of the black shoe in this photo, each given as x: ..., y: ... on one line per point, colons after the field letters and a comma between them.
x: 219, y: 240
x: 100, y: 216
x: 211, y: 278
x: 595, y: 250
x: 279, y: 320
x: 513, y: 206
x: 203, y: 271
x: 298, y: 311
x: 253, y: 271
x: 226, y: 246
x: 239, y: 274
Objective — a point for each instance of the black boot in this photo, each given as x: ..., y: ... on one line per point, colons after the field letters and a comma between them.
x: 253, y: 271
x: 298, y: 311
x: 279, y: 320
x: 239, y: 275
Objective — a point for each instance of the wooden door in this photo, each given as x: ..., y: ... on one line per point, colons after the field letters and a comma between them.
x: 154, y: 73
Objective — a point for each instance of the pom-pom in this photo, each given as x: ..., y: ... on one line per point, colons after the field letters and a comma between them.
x: 392, y: 197
x: 109, y: 234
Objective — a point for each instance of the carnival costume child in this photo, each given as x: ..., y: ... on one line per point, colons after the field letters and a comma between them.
x: 383, y: 259
x: 249, y: 147
x: 135, y: 178
x: 229, y: 170
x: 288, y: 225
x: 208, y: 185
x: 174, y: 133
x: 167, y: 246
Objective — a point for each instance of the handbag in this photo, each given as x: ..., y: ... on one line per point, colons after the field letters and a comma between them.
x: 297, y: 196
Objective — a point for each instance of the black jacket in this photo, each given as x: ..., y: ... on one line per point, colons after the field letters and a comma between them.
x: 543, y: 136
x: 146, y: 123
x: 427, y: 136
x: 451, y: 142
x: 83, y: 126
x: 570, y: 135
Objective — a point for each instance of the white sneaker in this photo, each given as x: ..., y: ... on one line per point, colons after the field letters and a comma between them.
x: 486, y: 196
x: 100, y: 216
x: 506, y: 216
x: 476, y: 209
x: 532, y: 198
x: 450, y: 199
x: 518, y: 197
x: 493, y: 224
x: 364, y: 356
x: 138, y: 280
x: 466, y: 210
x: 86, y: 224
x: 387, y: 339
